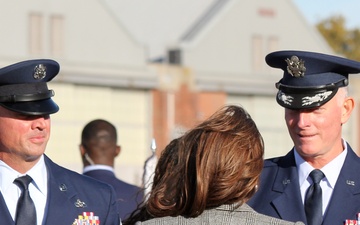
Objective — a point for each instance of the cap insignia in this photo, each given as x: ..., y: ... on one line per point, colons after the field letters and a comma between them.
x: 308, y: 100
x: 286, y: 99
x: 295, y: 66
x: 40, y: 72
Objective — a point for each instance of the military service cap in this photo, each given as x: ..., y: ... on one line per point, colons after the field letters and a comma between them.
x: 310, y: 79
x: 23, y: 87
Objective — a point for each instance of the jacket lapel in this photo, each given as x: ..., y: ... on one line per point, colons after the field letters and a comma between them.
x: 4, y: 212
x: 344, y: 203
x: 289, y: 204
x: 61, y: 198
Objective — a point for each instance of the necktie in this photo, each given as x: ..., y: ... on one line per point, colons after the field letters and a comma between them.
x: 313, y: 199
x: 25, y: 211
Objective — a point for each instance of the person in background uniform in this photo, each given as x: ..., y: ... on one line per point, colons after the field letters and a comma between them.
x: 207, y: 175
x: 35, y: 190
x: 98, y: 150
x: 318, y: 181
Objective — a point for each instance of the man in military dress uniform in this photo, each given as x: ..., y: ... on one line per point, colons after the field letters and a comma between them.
x: 35, y: 190
x: 318, y: 181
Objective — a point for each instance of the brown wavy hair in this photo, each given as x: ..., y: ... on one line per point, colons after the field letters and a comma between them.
x: 218, y: 162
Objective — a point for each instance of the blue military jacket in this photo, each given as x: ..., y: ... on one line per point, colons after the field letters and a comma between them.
x: 279, y: 193
x: 69, y: 195
x: 128, y: 195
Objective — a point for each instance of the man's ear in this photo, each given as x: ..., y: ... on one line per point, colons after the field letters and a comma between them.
x: 117, y: 150
x: 82, y: 150
x: 347, y: 109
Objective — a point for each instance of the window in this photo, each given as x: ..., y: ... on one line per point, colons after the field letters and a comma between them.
x: 56, y: 35
x: 273, y: 44
x: 36, y: 33
x: 258, y: 55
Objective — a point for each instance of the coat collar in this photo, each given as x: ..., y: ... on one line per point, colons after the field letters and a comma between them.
x: 289, y: 204
x: 346, y: 193
x: 4, y: 212
x: 62, y: 196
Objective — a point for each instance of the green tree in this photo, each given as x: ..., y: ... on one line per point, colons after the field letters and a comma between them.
x: 342, y: 40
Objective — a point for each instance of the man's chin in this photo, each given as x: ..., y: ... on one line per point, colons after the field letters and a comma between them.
x: 34, y: 156
x: 306, y: 151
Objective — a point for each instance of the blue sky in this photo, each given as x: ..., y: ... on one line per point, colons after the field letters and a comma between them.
x: 316, y: 10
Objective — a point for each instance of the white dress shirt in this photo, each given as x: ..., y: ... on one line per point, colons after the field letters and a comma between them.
x: 331, y: 171
x: 37, y: 188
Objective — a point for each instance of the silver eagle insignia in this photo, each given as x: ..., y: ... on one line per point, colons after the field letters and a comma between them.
x: 40, y: 72
x: 295, y: 66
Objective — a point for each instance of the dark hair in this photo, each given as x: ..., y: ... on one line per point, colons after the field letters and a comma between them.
x: 98, y: 132
x: 218, y: 162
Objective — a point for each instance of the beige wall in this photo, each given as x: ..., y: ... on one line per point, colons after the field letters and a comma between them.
x: 128, y: 110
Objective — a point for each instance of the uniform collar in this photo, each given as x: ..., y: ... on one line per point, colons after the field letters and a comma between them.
x: 97, y: 167
x: 331, y: 170
x: 38, y: 173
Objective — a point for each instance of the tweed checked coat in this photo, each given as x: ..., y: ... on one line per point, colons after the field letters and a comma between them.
x: 223, y: 215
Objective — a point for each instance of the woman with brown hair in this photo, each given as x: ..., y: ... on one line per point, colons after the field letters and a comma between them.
x: 207, y: 175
